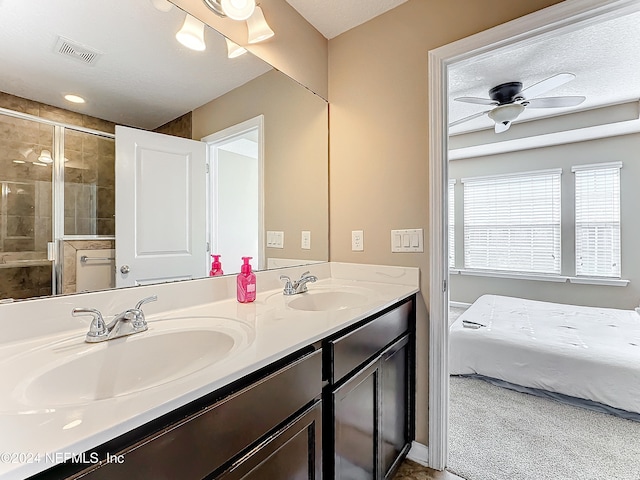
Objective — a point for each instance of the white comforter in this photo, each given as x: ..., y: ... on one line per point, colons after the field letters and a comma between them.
x: 585, y: 352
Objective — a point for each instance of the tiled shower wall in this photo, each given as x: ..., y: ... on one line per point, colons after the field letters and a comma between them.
x: 26, y: 210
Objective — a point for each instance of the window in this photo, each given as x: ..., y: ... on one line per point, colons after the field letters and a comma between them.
x: 598, y: 220
x: 512, y: 222
x: 452, y: 224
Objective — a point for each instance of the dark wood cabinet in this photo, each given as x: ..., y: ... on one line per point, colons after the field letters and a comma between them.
x: 395, y: 405
x: 355, y: 424
x: 341, y: 408
x: 369, y: 424
x: 292, y: 453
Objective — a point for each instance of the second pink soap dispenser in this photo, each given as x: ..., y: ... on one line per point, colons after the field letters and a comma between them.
x: 246, y: 282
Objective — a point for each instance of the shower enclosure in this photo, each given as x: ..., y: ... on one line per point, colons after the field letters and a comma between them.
x: 58, y: 195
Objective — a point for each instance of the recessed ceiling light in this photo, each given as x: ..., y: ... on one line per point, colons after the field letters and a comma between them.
x: 74, y: 98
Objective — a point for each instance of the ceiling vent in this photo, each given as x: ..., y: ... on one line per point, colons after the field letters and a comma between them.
x: 72, y: 49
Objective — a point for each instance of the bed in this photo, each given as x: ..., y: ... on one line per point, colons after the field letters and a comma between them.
x: 582, y: 352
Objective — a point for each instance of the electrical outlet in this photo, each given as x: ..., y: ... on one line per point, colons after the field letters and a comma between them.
x: 306, y: 240
x: 357, y: 240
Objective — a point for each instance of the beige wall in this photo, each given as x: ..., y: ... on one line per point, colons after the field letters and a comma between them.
x: 379, y: 134
x: 296, y: 156
x: 296, y: 49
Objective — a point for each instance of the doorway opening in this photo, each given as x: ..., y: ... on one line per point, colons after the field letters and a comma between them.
x: 236, y: 194
x: 547, y: 23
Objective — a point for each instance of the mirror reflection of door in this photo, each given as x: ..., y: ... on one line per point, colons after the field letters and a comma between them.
x: 160, y: 207
x: 236, y: 193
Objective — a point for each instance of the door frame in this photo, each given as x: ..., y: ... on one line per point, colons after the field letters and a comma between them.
x: 552, y: 21
x: 213, y: 140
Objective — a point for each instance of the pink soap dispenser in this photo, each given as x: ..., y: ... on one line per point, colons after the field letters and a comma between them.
x: 246, y: 282
x: 216, y: 267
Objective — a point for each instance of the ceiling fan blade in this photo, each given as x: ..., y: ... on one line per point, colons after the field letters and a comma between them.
x: 470, y: 117
x: 476, y: 100
x: 502, y: 127
x: 546, y: 85
x: 555, y: 102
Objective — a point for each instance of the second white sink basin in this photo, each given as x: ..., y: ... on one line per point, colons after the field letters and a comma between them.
x: 327, y: 300
x: 72, y: 372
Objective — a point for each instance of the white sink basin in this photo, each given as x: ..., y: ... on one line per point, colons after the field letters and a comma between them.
x: 321, y: 299
x: 72, y: 372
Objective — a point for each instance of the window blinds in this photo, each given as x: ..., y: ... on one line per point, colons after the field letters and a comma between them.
x: 452, y: 224
x: 598, y: 220
x: 512, y: 222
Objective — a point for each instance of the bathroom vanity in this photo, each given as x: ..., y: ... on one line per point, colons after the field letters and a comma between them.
x: 320, y: 388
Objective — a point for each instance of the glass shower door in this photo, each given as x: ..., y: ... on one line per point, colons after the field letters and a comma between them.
x: 26, y: 208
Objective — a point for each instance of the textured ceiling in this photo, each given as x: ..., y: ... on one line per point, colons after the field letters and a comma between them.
x: 144, y: 77
x: 333, y: 17
x: 605, y: 57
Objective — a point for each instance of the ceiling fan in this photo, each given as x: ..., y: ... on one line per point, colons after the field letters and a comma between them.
x: 509, y: 100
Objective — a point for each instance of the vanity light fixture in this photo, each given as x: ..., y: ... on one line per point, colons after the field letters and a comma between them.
x: 39, y: 164
x: 258, y: 27
x: 191, y: 35
x: 74, y: 98
x: 45, y: 157
x: 234, y: 50
x: 234, y: 9
x: 162, y: 5
x: 19, y: 161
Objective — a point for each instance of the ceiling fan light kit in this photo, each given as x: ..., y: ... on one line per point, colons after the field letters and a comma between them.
x: 509, y: 100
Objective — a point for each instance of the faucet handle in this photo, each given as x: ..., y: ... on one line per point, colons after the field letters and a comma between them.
x: 152, y: 298
x: 288, y: 286
x: 97, y: 329
x: 138, y: 315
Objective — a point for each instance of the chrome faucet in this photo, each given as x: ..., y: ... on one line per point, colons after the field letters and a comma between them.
x: 299, y: 286
x: 126, y: 323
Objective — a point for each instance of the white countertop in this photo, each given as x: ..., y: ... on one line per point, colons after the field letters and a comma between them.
x: 34, y: 439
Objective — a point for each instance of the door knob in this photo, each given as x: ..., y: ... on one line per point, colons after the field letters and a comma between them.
x: 125, y: 269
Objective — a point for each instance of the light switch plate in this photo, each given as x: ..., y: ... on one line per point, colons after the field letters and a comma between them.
x: 275, y: 239
x: 357, y: 240
x: 408, y: 240
x: 306, y: 240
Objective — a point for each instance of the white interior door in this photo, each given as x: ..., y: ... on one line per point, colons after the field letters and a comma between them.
x: 160, y: 208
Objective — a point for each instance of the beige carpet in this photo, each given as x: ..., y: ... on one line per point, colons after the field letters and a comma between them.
x: 499, y: 434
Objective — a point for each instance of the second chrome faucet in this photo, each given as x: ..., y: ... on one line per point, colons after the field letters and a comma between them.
x: 299, y: 286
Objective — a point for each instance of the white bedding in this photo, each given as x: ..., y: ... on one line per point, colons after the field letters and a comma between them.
x: 584, y: 352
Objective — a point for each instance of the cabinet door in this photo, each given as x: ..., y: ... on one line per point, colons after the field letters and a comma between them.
x: 355, y: 406
x: 294, y: 452
x: 394, y: 404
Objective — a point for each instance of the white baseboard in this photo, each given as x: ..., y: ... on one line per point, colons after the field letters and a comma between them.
x: 419, y: 453
x: 459, y: 304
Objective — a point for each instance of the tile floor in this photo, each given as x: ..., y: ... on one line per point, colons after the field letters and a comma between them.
x: 413, y: 471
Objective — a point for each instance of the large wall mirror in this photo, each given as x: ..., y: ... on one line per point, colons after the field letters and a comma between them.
x: 264, y: 185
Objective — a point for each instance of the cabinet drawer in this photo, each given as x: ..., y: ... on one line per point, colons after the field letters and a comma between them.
x: 353, y: 349
x: 205, y: 441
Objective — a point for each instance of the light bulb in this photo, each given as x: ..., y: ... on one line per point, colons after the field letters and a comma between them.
x: 191, y: 35
x: 238, y: 9
x: 258, y: 27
